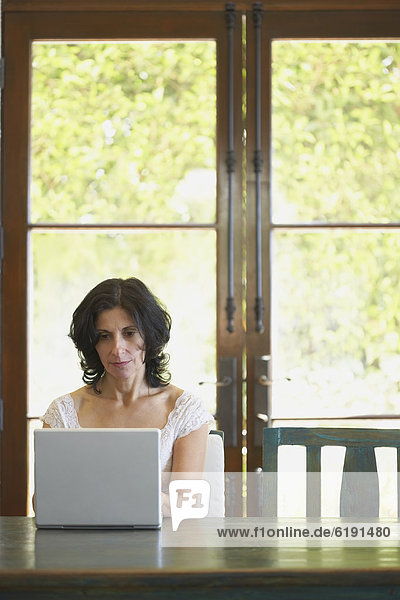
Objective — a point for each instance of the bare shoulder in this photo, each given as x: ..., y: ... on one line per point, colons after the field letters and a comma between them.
x: 168, y: 395
x: 80, y: 395
x: 173, y: 394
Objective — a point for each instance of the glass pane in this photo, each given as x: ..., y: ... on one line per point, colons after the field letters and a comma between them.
x: 123, y: 132
x: 336, y: 131
x: 336, y: 308
x: 67, y: 265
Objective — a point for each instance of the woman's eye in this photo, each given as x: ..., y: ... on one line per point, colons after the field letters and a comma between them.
x: 130, y: 333
x: 103, y: 336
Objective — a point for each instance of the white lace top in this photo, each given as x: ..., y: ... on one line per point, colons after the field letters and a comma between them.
x: 188, y: 414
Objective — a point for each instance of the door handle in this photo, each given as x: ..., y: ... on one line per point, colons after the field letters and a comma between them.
x: 263, y: 380
x: 264, y: 418
x: 225, y: 381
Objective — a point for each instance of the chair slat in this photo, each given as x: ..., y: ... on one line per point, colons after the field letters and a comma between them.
x: 359, y: 495
x: 313, y: 491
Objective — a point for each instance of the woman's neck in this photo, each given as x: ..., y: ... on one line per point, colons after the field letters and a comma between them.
x: 123, y: 391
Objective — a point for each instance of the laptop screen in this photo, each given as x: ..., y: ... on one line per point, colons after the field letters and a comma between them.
x: 97, y: 478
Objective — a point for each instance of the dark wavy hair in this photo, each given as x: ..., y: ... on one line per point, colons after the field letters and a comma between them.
x: 150, y: 316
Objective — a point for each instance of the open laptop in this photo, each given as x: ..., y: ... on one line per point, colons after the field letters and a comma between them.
x: 97, y: 478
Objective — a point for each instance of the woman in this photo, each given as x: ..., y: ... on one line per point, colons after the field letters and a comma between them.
x: 120, y: 330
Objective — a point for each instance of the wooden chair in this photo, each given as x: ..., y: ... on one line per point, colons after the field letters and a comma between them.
x: 360, y: 485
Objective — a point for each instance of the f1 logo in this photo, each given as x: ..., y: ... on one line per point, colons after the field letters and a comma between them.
x: 189, y: 499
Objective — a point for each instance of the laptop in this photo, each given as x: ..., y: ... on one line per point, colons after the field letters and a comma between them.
x: 97, y: 478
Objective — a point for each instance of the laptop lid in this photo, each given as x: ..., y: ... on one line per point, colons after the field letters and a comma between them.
x: 97, y: 478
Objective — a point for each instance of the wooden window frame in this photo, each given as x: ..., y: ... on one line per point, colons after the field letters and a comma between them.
x: 21, y: 28
x: 24, y: 20
x: 290, y: 24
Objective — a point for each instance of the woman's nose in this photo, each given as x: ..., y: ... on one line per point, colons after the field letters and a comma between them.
x: 118, y: 343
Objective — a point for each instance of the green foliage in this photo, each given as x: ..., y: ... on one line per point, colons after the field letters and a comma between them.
x: 126, y: 133
x: 336, y: 133
x: 122, y: 133
x: 68, y: 265
x: 120, y: 130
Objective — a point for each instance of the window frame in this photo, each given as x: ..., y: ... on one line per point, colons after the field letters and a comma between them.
x: 25, y: 20
x: 20, y: 29
x: 288, y: 24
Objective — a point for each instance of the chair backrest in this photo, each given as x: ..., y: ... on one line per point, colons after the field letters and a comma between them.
x: 360, y: 485
x: 214, y: 471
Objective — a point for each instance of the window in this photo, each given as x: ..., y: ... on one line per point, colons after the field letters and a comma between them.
x: 118, y: 134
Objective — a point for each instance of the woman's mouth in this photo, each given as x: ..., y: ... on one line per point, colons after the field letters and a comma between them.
x: 121, y: 364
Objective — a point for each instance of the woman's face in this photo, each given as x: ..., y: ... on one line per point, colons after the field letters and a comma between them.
x: 120, y: 345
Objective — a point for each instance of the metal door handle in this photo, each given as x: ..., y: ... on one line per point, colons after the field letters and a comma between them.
x: 265, y: 381
x: 264, y: 418
x: 225, y: 381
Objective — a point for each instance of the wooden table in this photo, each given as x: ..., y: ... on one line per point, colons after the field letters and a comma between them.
x: 133, y: 564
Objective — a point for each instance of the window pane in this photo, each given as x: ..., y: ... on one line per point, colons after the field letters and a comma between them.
x: 336, y: 131
x: 123, y: 132
x: 336, y: 333
x: 67, y: 265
